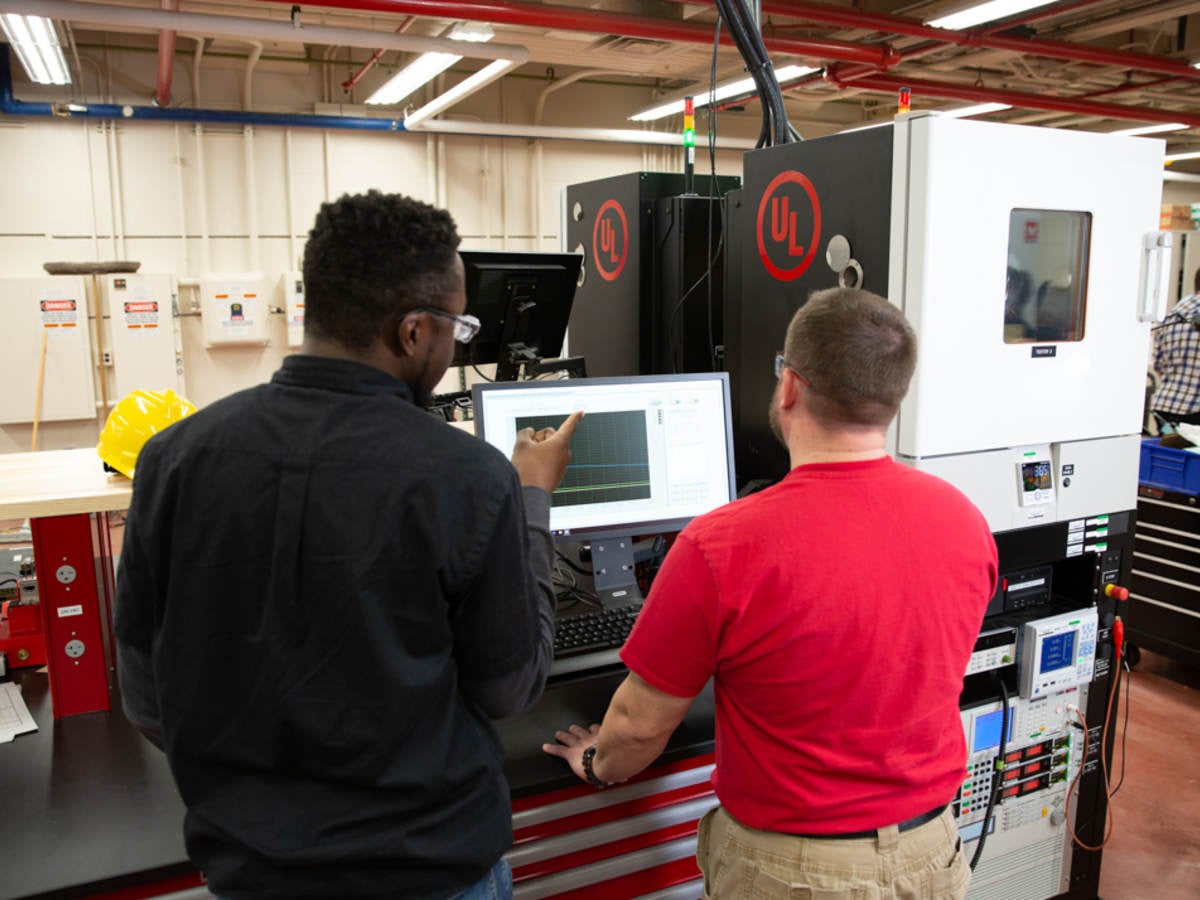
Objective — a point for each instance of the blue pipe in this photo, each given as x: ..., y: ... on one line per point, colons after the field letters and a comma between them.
x: 9, y: 105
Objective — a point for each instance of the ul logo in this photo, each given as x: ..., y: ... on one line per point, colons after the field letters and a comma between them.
x: 788, y: 225
x: 610, y: 240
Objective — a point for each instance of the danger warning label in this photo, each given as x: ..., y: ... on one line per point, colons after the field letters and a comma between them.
x: 141, y: 314
x: 59, y: 313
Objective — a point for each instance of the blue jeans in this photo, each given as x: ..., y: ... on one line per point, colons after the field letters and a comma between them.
x: 495, y: 885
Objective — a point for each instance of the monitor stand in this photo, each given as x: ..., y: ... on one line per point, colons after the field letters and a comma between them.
x: 613, y: 573
x: 521, y: 361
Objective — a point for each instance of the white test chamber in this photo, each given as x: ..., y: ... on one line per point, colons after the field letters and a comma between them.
x: 53, y: 309
x: 971, y: 201
x: 234, y: 309
x: 956, y: 188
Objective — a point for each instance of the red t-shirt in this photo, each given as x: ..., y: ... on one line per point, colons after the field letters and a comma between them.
x: 835, y: 612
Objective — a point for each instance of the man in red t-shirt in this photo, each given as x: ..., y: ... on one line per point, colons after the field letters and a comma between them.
x: 835, y: 613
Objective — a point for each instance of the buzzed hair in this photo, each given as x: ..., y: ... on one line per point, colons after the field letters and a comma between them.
x: 858, y: 353
x: 372, y: 256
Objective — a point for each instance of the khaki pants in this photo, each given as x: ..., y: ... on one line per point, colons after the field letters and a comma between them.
x: 924, y: 863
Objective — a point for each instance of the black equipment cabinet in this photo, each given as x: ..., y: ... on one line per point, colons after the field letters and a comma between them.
x: 635, y: 266
x: 1163, y: 612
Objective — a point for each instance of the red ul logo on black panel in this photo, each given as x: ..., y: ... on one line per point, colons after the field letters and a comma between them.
x: 610, y: 240
x: 788, y: 225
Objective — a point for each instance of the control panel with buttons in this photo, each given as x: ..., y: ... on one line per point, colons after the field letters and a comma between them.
x: 1057, y: 652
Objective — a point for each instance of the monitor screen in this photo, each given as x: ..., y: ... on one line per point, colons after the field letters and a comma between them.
x: 1058, y: 652
x: 987, y: 730
x: 521, y: 299
x: 652, y: 451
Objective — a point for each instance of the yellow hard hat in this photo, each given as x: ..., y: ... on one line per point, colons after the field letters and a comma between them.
x: 133, y: 421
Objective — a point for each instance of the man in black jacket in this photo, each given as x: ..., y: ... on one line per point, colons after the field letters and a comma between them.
x: 325, y: 593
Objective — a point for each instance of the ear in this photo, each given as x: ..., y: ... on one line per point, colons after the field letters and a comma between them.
x: 408, y: 333
x: 789, y: 389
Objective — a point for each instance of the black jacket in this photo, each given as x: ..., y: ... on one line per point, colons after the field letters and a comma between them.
x: 324, y: 595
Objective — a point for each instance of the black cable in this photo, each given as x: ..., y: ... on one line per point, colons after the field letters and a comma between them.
x: 695, y: 284
x: 1124, y: 725
x: 753, y: 63
x: 572, y: 565
x: 754, y: 52
x: 997, y: 777
x: 712, y: 191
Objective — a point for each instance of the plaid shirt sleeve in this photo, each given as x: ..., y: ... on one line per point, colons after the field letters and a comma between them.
x: 1177, y: 359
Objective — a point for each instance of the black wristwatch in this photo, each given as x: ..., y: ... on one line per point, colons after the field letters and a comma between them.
x: 588, y: 755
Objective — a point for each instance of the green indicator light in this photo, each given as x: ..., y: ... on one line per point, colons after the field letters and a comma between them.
x: 1031, y: 453
x: 689, y: 137
x: 1102, y: 520
x: 1076, y: 622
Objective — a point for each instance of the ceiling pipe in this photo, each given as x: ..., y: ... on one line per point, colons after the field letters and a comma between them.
x: 573, y: 18
x: 619, y: 135
x: 13, y: 107
x: 166, y: 59
x: 258, y: 29
x: 971, y: 93
x: 350, y: 83
x: 823, y: 14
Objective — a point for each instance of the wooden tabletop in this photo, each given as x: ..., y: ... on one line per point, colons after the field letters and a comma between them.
x: 59, y: 483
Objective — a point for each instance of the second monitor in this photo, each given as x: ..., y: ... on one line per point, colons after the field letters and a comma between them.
x: 523, y: 302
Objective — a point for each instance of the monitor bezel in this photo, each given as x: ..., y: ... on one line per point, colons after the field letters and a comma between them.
x: 651, y: 526
x: 570, y: 263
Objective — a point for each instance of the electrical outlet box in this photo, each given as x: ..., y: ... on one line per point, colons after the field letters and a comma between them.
x: 234, y: 309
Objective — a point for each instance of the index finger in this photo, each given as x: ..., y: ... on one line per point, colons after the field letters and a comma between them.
x: 567, y: 428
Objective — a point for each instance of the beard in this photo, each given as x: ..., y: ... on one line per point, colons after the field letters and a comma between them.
x: 773, y: 417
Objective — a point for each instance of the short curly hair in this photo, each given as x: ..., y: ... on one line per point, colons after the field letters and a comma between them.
x: 372, y: 256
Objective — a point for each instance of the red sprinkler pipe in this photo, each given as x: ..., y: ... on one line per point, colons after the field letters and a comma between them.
x: 970, y: 93
x: 823, y: 14
x: 350, y: 83
x: 166, y: 60
x: 570, y: 18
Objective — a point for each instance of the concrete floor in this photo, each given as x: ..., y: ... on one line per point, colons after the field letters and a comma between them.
x: 1154, y: 850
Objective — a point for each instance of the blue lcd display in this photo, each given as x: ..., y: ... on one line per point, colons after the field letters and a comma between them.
x: 1058, y: 652
x: 987, y: 730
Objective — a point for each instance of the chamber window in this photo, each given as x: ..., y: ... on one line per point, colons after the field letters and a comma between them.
x: 1045, y: 294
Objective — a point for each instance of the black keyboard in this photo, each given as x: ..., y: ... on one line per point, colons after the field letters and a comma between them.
x: 592, y: 632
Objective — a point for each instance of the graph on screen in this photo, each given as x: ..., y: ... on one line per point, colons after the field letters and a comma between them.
x: 610, y: 457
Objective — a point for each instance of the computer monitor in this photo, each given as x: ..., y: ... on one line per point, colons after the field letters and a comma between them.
x: 523, y: 303
x: 651, y: 453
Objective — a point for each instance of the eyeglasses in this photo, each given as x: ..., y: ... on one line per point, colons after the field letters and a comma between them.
x: 781, y: 364
x: 465, y: 327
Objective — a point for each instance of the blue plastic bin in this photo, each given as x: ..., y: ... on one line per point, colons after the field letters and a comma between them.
x: 1168, y: 468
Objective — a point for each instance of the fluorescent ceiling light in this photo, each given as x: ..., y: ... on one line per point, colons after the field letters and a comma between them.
x: 472, y: 32
x: 37, y: 46
x: 417, y: 73
x: 429, y: 66
x: 979, y: 109
x: 985, y: 12
x: 1176, y: 157
x: 464, y: 88
x: 703, y: 96
x: 1152, y: 129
